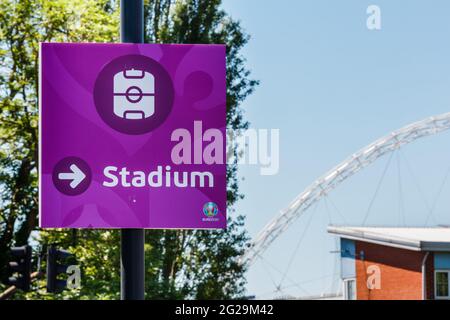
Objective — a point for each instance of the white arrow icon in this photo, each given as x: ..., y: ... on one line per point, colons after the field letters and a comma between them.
x: 76, y: 176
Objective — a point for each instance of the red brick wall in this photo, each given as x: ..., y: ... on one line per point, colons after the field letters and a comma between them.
x: 401, y: 273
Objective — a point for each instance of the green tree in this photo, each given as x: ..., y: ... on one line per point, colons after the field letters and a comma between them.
x: 179, y: 264
x: 23, y: 24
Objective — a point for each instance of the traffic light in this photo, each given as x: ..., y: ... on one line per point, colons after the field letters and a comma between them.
x: 20, y: 267
x: 56, y: 265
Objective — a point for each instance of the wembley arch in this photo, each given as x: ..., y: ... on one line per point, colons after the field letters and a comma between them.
x: 343, y: 171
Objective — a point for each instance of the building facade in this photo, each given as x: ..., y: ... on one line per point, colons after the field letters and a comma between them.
x: 394, y: 263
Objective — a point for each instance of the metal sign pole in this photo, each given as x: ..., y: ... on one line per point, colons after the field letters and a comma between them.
x: 132, y: 276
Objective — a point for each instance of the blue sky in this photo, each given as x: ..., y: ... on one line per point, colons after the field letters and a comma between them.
x: 332, y: 86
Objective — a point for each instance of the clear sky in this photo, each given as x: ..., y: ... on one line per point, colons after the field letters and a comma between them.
x: 332, y: 87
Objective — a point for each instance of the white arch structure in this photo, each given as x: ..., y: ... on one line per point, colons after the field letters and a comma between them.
x: 340, y: 173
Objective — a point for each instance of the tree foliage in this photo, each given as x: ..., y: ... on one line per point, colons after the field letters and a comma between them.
x: 179, y: 264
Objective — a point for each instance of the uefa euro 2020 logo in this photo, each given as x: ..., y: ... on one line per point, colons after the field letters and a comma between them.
x: 210, y: 209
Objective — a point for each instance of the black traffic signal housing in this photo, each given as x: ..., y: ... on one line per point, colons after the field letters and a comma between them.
x: 56, y: 265
x: 20, y: 267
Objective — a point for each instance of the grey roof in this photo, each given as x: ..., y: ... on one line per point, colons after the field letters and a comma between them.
x: 417, y: 239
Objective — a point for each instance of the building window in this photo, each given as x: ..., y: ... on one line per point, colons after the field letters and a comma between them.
x: 350, y: 289
x: 441, y: 283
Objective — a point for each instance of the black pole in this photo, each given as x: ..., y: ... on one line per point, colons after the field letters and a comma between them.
x: 132, y: 21
x: 51, y: 268
x: 132, y: 276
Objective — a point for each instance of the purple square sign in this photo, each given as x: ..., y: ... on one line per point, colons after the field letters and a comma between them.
x: 132, y: 136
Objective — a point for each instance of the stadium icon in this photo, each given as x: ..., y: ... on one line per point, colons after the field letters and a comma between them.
x: 134, y: 94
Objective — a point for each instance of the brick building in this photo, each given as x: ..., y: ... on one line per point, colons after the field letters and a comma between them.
x: 394, y: 263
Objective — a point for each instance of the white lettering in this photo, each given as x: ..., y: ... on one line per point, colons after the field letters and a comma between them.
x: 114, y: 180
x: 161, y: 177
